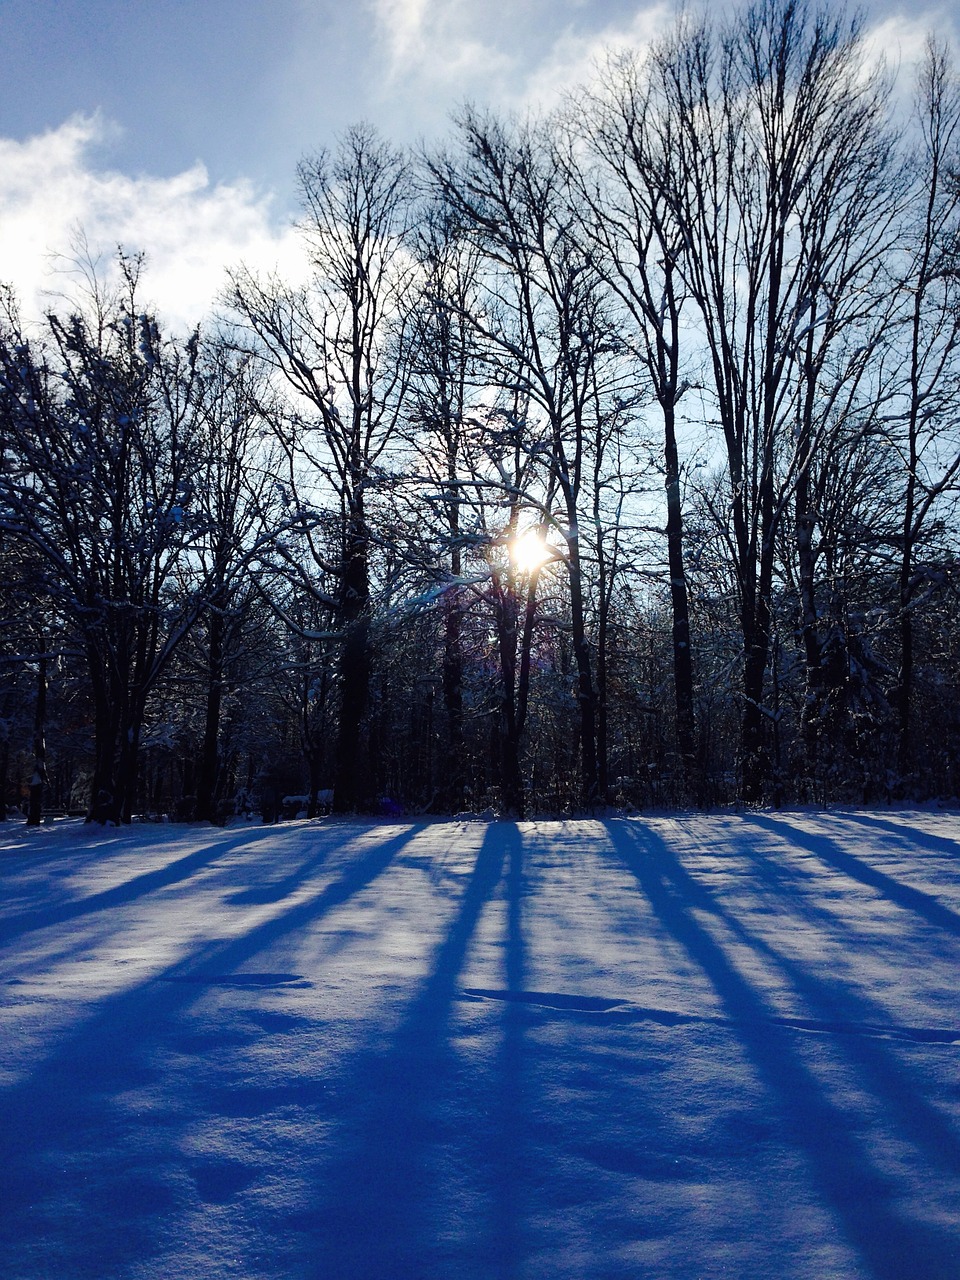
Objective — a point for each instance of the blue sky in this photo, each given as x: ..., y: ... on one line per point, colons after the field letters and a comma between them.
x: 175, y: 126
x: 240, y: 85
x: 247, y: 86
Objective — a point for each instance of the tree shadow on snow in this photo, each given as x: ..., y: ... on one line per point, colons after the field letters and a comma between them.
x: 912, y: 836
x: 836, y: 1010
x: 903, y: 895
x: 827, y: 1133
x: 87, y: 1185
x: 178, y: 871
x: 382, y: 1201
x: 275, y: 890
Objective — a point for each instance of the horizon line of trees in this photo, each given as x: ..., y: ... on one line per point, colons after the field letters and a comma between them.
x: 607, y: 457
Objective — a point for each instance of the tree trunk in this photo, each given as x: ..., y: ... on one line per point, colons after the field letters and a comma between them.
x: 905, y: 763
x: 904, y: 694
x: 452, y: 675
x: 39, y: 778
x: 104, y: 805
x: 586, y: 693
x: 603, y: 764
x: 128, y: 768
x: 207, y: 791
x: 348, y: 788
x: 4, y: 777
x: 754, y: 761
x: 511, y: 781
x: 679, y: 600
x: 118, y: 721
x: 813, y: 693
x: 355, y: 664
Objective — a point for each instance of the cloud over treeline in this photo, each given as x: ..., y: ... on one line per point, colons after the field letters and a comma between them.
x: 55, y: 197
x: 57, y: 187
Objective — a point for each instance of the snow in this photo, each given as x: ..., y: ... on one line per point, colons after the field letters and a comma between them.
x: 689, y: 1047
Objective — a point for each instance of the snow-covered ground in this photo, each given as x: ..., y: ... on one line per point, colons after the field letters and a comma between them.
x: 692, y: 1047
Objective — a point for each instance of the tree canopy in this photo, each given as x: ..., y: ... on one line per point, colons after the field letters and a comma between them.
x: 608, y: 457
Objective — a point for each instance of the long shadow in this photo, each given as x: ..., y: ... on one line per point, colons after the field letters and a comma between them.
x: 891, y: 1245
x: 779, y: 878
x: 917, y: 1121
x: 389, y: 1156
x: 223, y: 956
x: 66, y: 1117
x: 262, y: 895
x: 137, y: 886
x: 910, y: 899
x: 509, y: 1158
x: 793, y: 882
x: 911, y: 836
x: 270, y: 891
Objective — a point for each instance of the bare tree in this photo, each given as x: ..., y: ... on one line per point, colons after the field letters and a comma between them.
x: 925, y: 422
x: 241, y: 520
x: 334, y: 342
x: 779, y: 157
x: 546, y: 336
x: 99, y: 485
x: 445, y: 366
x: 620, y: 162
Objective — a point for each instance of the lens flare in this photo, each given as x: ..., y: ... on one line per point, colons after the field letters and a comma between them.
x: 529, y: 551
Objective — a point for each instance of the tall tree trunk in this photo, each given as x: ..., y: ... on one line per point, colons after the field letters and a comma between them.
x: 4, y: 777
x: 754, y: 760
x: 128, y: 767
x: 679, y: 600
x: 809, y: 633
x: 511, y: 781
x: 603, y: 762
x: 355, y: 665
x: 207, y: 773
x: 39, y: 779
x: 904, y: 691
x: 455, y: 780
x: 586, y: 692
x: 103, y: 787
x: 348, y: 784
x: 904, y: 698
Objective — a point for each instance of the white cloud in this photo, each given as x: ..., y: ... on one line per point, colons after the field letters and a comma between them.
x: 438, y: 48
x: 900, y: 42
x: 448, y: 50
x: 189, y: 230
x: 402, y: 24
x: 574, y: 59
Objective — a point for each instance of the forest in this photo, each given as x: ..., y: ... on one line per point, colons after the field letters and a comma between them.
x: 601, y: 458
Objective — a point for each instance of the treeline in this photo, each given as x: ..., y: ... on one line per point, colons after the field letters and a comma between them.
x: 604, y: 458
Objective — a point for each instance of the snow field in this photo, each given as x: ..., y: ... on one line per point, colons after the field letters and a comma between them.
x: 692, y: 1047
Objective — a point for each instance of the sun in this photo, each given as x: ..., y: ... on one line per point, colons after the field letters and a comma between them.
x: 529, y: 551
